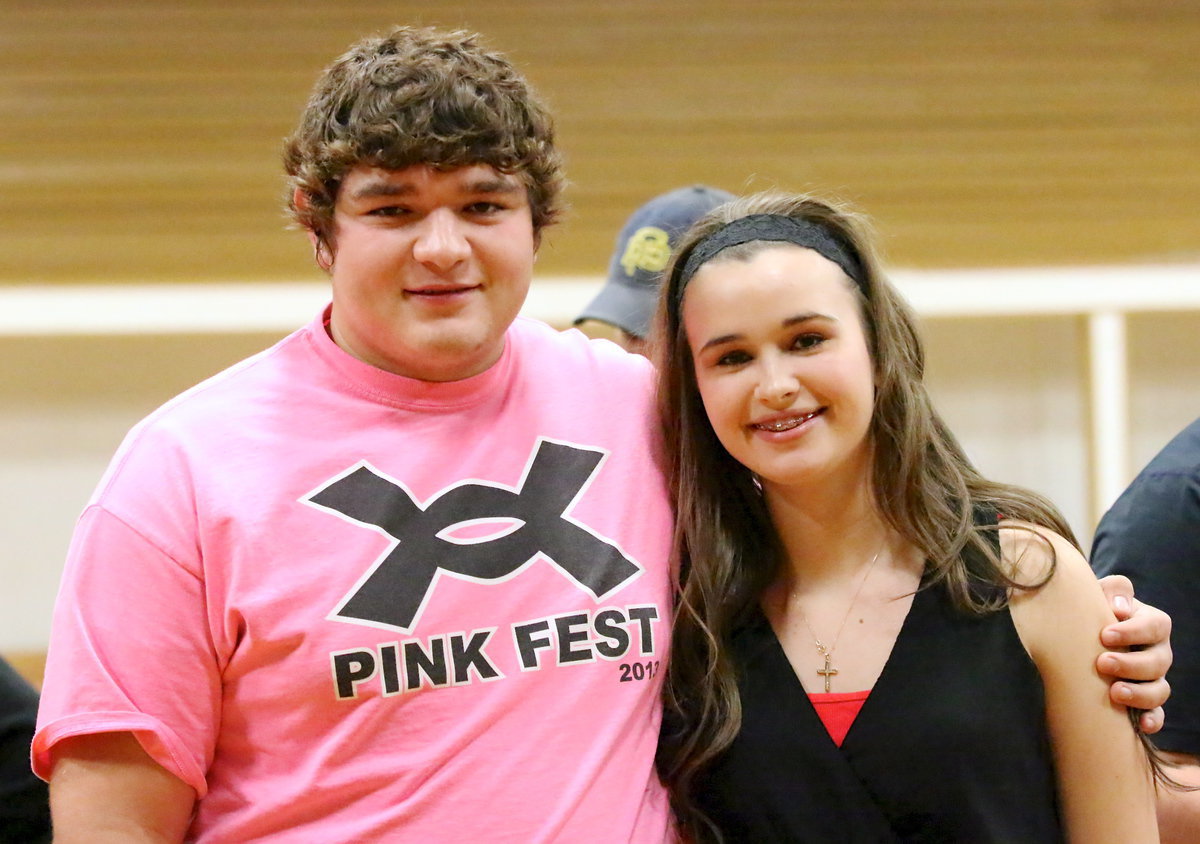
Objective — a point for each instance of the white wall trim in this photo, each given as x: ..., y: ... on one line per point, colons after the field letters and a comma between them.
x: 232, y: 307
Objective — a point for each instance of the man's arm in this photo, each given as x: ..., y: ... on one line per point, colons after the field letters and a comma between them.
x: 1147, y: 630
x: 105, y: 789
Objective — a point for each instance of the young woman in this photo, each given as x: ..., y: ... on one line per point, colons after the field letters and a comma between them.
x: 873, y: 643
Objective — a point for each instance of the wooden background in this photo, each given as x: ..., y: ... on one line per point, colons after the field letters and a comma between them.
x: 139, y: 140
x: 139, y: 143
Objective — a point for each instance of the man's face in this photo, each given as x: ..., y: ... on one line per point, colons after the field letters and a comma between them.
x: 430, y: 267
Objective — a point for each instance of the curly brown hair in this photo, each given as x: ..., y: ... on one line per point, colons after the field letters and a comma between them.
x: 420, y: 95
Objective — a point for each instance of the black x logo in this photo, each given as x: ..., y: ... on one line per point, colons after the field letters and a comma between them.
x: 396, y: 589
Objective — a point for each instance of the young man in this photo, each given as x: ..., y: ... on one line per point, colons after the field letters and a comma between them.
x: 403, y: 576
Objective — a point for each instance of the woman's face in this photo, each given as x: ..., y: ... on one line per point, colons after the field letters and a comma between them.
x: 782, y: 364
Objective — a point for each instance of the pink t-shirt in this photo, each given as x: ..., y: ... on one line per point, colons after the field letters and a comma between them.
x: 344, y: 605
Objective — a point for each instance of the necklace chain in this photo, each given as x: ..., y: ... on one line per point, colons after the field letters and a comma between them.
x: 824, y: 650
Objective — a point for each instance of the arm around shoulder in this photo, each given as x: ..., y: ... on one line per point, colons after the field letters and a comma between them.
x: 105, y: 788
x: 1105, y: 782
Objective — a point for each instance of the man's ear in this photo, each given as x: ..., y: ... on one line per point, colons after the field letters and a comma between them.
x: 300, y: 199
x: 322, y: 253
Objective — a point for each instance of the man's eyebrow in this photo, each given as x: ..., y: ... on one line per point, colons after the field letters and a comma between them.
x: 497, y: 184
x: 383, y: 188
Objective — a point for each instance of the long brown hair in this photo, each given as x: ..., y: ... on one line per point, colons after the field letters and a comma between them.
x: 726, y: 549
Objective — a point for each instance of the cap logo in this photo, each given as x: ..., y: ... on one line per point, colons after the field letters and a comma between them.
x: 649, y: 249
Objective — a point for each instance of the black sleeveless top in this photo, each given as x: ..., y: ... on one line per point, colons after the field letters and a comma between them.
x: 950, y: 746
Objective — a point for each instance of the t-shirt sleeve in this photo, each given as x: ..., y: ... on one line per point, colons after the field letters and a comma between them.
x: 130, y: 650
x: 1152, y: 535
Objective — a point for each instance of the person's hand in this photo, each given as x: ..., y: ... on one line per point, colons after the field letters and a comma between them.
x: 1138, y: 652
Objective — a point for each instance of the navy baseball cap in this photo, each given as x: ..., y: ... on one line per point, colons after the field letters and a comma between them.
x: 630, y: 293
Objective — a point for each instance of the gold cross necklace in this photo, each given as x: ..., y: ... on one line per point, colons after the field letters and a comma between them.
x: 826, y: 651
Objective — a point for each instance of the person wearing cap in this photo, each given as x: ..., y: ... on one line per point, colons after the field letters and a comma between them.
x: 625, y: 304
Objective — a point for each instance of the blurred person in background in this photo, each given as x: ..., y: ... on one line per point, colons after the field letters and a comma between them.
x: 24, y: 800
x: 623, y: 308
x: 1152, y: 535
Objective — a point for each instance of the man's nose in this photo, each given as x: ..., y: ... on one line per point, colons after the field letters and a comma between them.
x: 441, y: 241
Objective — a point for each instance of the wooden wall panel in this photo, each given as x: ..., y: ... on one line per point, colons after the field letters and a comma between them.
x: 139, y: 140
x: 29, y: 664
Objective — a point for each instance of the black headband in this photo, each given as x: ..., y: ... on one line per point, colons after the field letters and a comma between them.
x: 776, y: 228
